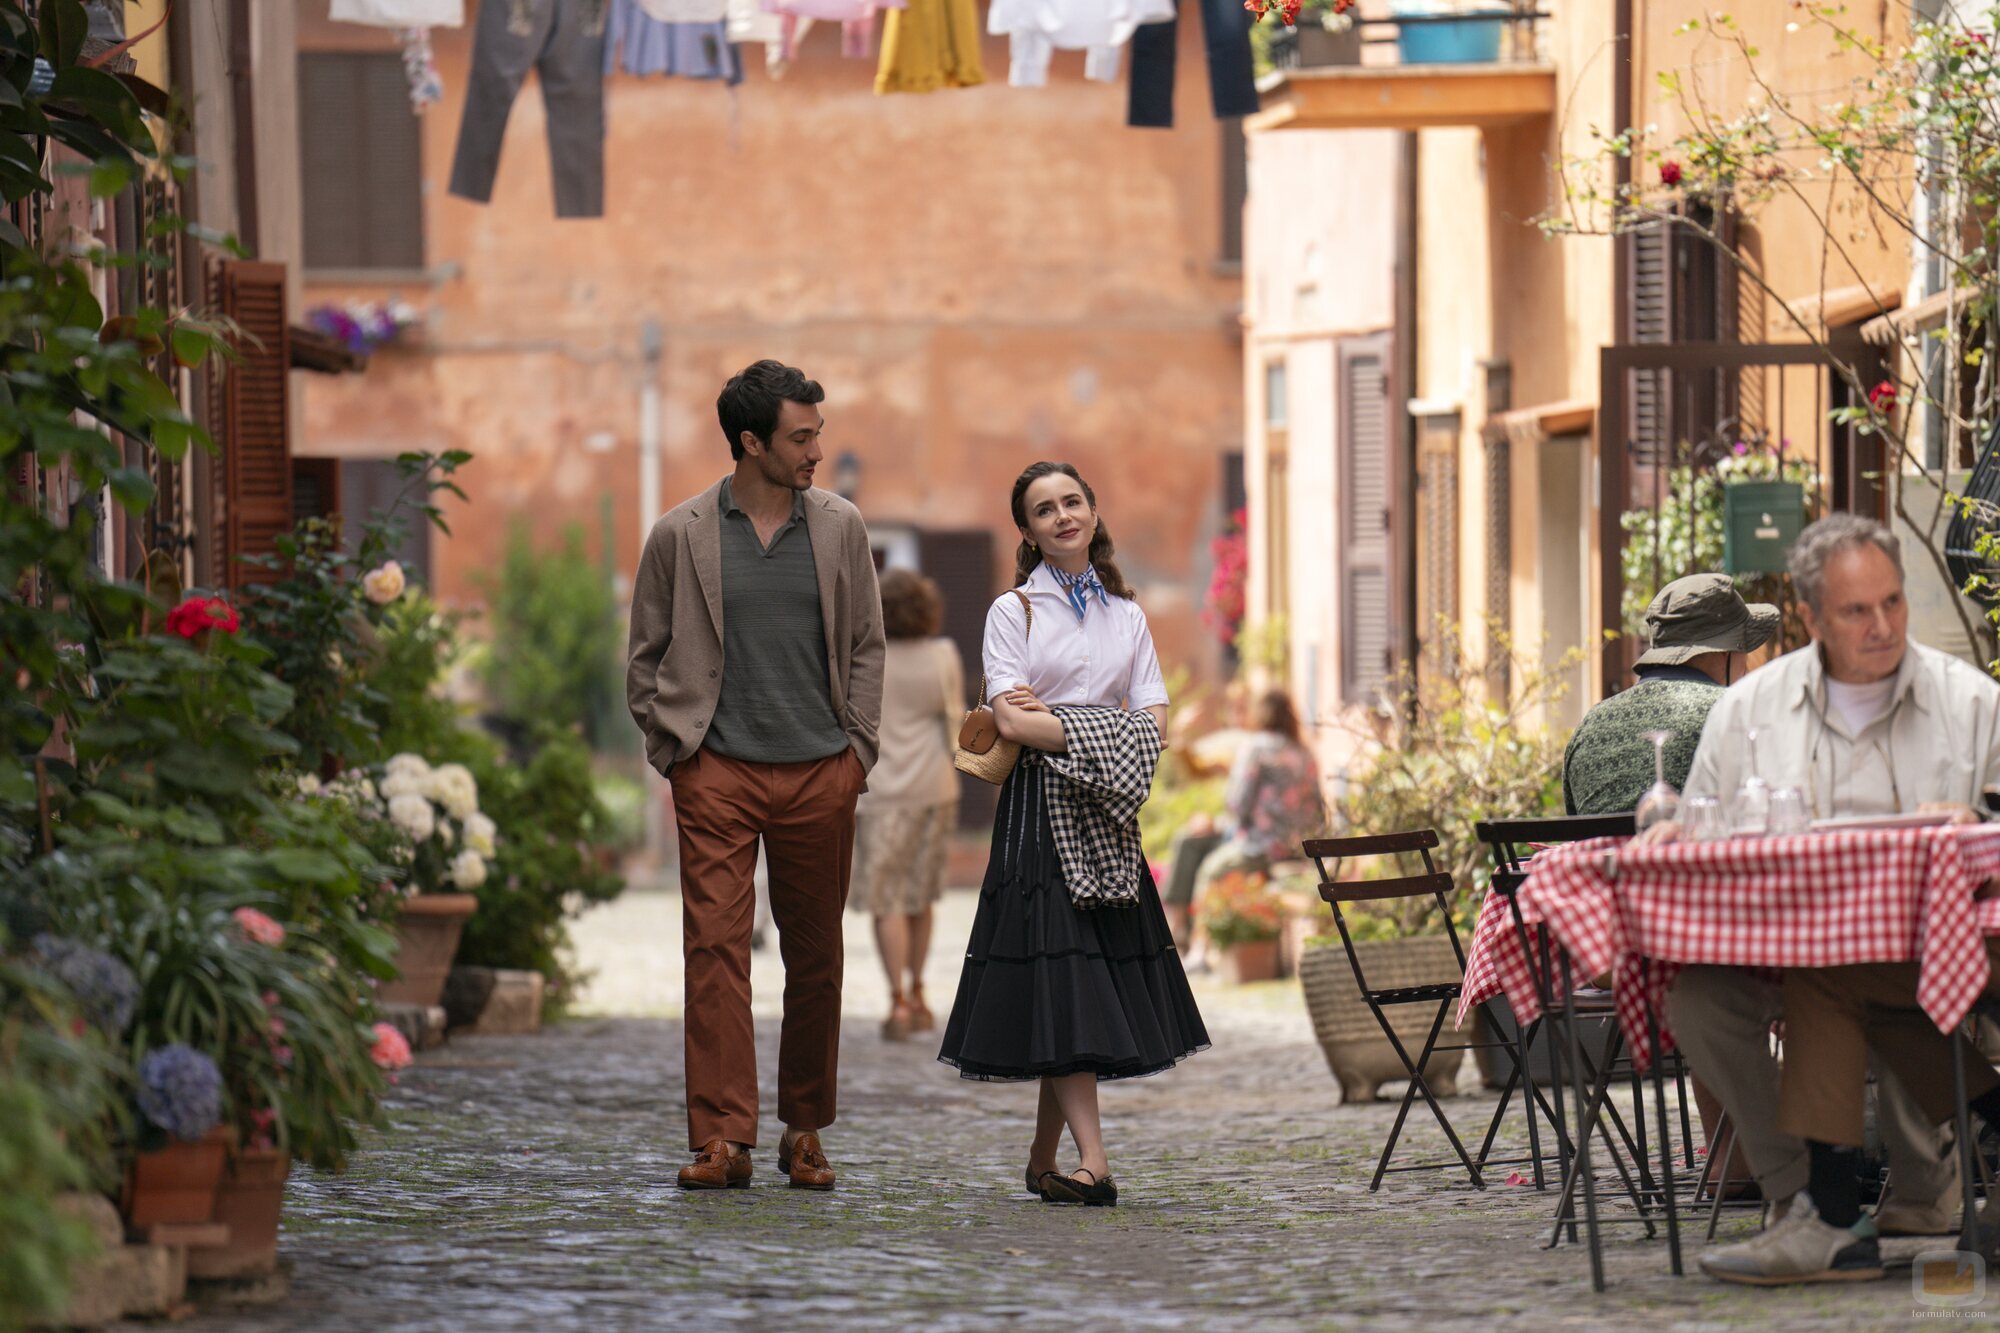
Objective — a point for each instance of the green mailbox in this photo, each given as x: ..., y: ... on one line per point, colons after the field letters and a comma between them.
x: 1760, y: 521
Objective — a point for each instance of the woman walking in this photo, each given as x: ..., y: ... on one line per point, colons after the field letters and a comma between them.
x: 1063, y: 993
x: 905, y: 819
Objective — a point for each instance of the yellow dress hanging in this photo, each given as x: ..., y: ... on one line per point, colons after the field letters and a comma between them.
x: 928, y: 45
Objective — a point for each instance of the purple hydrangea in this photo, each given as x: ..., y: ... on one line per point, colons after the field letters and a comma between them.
x: 180, y: 1090
x: 105, y: 988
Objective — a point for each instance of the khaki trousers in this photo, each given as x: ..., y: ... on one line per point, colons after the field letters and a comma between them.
x: 1722, y: 1017
x: 1835, y: 1016
x: 804, y: 815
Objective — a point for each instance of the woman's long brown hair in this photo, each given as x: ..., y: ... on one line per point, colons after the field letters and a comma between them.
x: 1027, y: 557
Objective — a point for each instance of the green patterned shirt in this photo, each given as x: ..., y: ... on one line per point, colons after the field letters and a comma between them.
x: 1609, y: 762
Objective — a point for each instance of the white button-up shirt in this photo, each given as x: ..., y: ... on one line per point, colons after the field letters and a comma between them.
x: 1937, y: 739
x: 1106, y: 660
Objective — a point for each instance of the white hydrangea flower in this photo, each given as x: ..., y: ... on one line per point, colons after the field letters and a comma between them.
x: 468, y: 869
x: 444, y: 832
x: 308, y: 785
x: 413, y: 815
x: 481, y: 833
x: 453, y: 787
x: 405, y: 784
x: 407, y: 762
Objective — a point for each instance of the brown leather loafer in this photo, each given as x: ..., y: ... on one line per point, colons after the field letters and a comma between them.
x: 805, y: 1162
x: 718, y: 1166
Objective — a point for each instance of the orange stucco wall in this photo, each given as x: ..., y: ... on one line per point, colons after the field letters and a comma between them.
x: 981, y: 278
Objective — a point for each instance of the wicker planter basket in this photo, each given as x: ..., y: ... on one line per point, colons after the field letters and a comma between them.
x: 1356, y: 1051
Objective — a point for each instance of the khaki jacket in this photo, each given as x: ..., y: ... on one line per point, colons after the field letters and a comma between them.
x: 674, y: 676
x: 1939, y: 741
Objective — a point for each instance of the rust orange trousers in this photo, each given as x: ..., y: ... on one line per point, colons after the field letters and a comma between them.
x: 804, y: 815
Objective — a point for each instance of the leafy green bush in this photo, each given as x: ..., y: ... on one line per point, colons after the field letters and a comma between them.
x: 57, y: 1099
x: 555, y: 638
x: 547, y: 862
x: 1456, y: 756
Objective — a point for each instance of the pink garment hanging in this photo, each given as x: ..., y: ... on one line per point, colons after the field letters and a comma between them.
x: 855, y: 17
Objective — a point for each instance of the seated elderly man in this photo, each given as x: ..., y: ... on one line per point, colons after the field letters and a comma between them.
x: 1700, y: 629
x: 1863, y: 721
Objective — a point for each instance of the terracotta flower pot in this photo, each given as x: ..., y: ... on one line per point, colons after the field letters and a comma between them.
x: 1256, y: 960
x: 427, y: 934
x: 249, y: 1201
x: 175, y: 1184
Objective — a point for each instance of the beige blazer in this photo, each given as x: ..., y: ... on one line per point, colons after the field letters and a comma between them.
x: 673, y: 678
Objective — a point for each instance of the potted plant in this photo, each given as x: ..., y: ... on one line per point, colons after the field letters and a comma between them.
x: 1454, y: 752
x: 1457, y: 32
x: 1242, y: 918
x: 449, y: 841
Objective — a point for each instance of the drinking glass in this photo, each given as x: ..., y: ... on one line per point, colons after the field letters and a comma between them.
x: 1750, y: 812
x: 1661, y: 802
x: 1705, y: 819
x: 1788, y: 813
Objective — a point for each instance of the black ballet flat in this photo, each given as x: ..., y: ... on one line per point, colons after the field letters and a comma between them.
x: 1038, y: 1184
x: 1097, y: 1194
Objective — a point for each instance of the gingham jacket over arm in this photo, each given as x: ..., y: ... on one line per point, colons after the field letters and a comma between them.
x: 1094, y: 796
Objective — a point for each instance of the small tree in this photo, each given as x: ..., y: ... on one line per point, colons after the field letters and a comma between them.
x: 555, y: 636
x: 1911, y: 152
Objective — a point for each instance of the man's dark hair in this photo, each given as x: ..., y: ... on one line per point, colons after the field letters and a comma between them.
x: 755, y: 396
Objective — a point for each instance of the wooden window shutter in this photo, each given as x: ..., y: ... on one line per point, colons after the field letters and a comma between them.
x: 1437, y: 554
x: 1499, y: 550
x: 256, y: 482
x: 361, y: 162
x: 1648, y: 320
x: 1368, y: 481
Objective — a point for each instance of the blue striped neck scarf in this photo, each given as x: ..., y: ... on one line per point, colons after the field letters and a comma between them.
x: 1079, y: 587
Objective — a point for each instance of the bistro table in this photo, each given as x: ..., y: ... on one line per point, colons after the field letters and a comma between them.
x: 1821, y: 899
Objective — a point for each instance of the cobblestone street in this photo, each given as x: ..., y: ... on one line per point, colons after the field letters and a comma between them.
x: 529, y: 1183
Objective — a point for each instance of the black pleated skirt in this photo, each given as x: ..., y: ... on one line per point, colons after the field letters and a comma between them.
x: 1049, y: 989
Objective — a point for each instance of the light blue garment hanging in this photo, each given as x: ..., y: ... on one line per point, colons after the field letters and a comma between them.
x: 641, y: 44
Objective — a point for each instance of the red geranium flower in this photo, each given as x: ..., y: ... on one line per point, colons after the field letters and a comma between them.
x: 197, y: 614
x: 1883, y: 396
x: 1670, y: 173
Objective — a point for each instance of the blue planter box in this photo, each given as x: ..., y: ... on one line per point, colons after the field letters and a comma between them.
x: 1468, y: 40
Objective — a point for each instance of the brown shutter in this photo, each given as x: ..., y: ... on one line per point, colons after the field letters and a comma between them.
x: 361, y: 162
x: 256, y: 483
x: 1367, y: 483
x: 1649, y: 320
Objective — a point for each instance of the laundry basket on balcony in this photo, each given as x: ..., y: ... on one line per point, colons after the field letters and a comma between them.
x: 1469, y: 36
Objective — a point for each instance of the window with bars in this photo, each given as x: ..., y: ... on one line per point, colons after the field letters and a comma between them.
x: 361, y: 163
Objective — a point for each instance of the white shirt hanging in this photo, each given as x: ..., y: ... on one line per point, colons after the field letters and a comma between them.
x: 400, y: 13
x: 686, y: 11
x: 1100, y: 28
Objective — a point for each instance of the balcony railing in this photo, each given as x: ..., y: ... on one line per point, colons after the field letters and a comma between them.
x: 1456, y: 37
x: 1475, y: 67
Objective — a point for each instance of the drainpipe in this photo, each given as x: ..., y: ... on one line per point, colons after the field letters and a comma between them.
x: 1404, y: 387
x: 651, y: 344
x: 1610, y: 468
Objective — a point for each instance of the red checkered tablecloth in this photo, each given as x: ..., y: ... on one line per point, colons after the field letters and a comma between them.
x: 1815, y: 900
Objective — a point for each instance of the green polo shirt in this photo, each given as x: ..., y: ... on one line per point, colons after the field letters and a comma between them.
x: 776, y: 705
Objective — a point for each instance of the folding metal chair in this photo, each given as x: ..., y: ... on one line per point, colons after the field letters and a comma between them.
x: 1513, y: 842
x: 1436, y: 885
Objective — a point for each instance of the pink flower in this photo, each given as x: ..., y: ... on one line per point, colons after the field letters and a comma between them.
x: 259, y: 927
x: 283, y: 1055
x: 391, y: 1050
x: 270, y: 998
x: 277, y: 1028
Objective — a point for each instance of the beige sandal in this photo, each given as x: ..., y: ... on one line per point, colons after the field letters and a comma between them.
x: 897, y: 1026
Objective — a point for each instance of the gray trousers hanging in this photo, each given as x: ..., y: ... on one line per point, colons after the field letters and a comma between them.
x: 563, y: 42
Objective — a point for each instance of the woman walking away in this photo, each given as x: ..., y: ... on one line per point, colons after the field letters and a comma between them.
x: 906, y: 817
x: 1071, y: 975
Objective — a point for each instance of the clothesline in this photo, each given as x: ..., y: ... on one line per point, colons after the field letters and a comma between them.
x: 926, y: 46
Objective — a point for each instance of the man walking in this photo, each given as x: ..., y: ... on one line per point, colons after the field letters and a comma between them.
x: 773, y: 580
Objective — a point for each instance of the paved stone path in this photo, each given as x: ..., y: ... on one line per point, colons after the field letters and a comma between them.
x: 528, y: 1183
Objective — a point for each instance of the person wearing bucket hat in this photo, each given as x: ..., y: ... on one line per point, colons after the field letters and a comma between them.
x: 1700, y: 630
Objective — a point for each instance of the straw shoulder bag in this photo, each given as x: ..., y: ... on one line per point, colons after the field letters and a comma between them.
x: 981, y: 750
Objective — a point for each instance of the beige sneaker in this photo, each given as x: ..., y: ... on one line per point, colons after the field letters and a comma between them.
x: 1801, y: 1248
x: 1908, y: 1217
